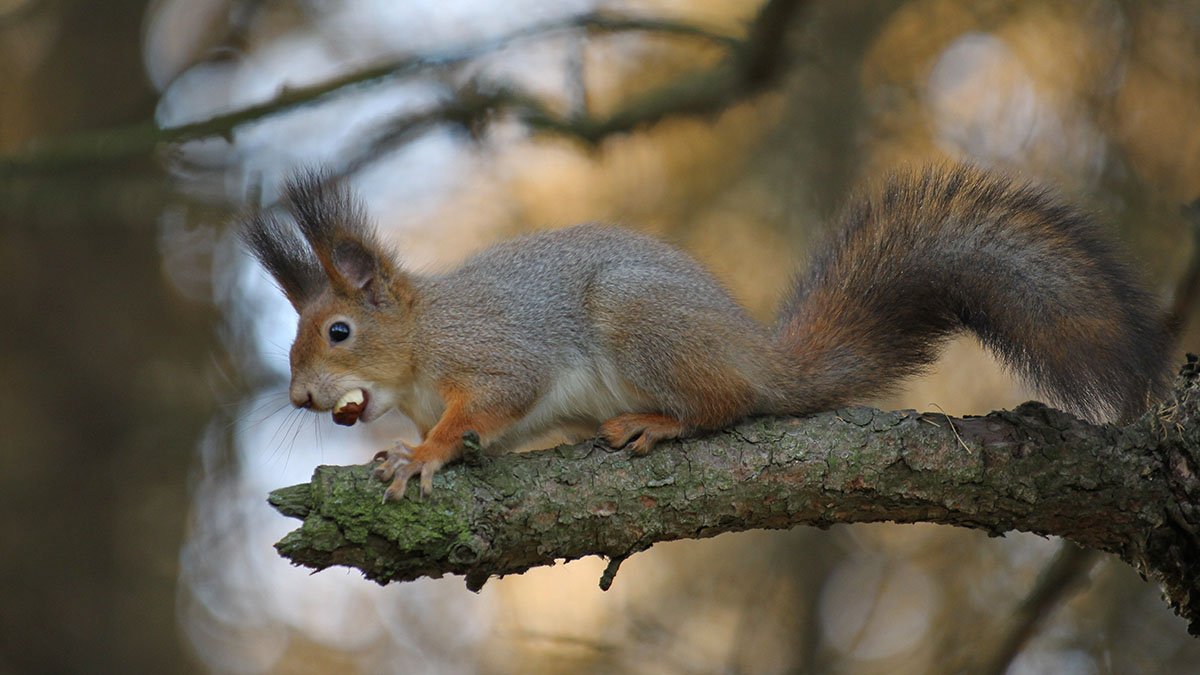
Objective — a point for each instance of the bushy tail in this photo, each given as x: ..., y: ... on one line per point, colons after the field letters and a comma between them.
x: 929, y: 254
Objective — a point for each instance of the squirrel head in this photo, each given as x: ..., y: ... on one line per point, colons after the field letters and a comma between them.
x: 355, y: 302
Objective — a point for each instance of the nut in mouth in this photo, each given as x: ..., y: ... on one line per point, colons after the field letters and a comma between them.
x: 350, y: 407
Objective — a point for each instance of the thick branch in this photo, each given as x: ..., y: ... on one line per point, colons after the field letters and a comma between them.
x: 1131, y: 491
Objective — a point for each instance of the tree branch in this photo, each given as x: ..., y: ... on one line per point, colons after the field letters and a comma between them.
x: 1133, y: 491
x: 1056, y: 582
x: 759, y: 63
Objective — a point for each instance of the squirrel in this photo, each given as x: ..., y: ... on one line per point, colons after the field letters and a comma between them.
x: 598, y: 327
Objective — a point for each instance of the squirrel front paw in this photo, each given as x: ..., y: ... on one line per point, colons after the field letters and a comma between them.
x: 404, y: 461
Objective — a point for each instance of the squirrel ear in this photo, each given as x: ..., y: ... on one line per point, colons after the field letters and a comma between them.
x: 285, y: 256
x: 355, y: 264
x: 368, y: 269
x: 348, y: 248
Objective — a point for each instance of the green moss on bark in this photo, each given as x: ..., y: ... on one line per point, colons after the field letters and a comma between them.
x: 1131, y: 491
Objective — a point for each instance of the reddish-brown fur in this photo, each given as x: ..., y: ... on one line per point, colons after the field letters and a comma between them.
x: 561, y: 332
x: 443, y: 443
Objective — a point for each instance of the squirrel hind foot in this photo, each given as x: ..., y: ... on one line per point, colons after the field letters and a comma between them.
x: 642, y: 431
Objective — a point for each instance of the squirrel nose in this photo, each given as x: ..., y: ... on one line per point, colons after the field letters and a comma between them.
x: 301, y: 397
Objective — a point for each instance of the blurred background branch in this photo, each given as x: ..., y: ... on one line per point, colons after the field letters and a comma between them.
x: 1062, y: 577
x: 752, y: 64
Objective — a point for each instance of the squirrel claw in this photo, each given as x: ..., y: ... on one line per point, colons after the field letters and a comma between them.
x: 641, y: 445
x: 640, y: 432
x: 395, y: 491
x: 394, y: 459
x: 399, y: 466
x: 427, y: 472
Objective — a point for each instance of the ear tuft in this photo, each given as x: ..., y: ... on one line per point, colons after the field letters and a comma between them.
x: 325, y: 209
x: 343, y: 240
x: 285, y: 256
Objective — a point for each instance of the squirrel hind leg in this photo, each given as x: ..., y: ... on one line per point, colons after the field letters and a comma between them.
x: 641, y: 431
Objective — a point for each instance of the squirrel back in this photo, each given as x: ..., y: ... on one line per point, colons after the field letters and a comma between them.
x: 588, y: 322
x: 926, y: 255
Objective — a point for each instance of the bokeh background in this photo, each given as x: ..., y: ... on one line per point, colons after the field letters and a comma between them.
x: 143, y: 357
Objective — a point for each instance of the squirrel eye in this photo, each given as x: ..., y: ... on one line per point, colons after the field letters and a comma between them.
x: 338, y: 331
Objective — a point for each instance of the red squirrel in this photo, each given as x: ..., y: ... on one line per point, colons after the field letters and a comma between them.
x: 597, y: 327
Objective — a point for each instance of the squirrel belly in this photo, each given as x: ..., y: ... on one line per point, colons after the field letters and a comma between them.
x: 567, y: 331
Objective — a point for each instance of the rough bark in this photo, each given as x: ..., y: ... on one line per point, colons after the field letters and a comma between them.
x: 1133, y: 491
